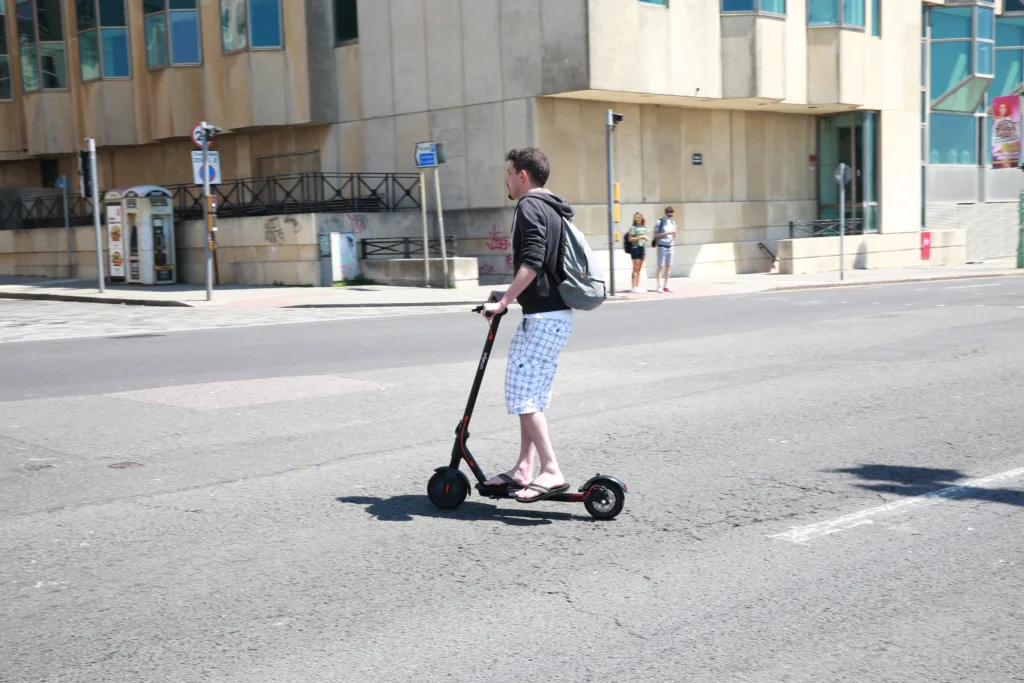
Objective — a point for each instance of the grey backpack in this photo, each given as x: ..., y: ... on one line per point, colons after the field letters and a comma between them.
x: 580, y: 278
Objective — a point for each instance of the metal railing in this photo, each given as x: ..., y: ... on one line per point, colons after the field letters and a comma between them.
x: 404, y: 247
x: 825, y: 228
x: 298, y: 193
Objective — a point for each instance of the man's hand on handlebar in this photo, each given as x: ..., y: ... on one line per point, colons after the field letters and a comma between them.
x: 493, y: 306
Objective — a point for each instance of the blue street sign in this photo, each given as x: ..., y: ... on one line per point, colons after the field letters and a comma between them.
x: 426, y: 154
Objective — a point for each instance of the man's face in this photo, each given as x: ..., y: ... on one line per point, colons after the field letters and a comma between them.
x: 514, y: 182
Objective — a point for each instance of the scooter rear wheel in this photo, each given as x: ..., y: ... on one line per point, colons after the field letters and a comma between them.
x: 606, y: 500
x: 446, y: 489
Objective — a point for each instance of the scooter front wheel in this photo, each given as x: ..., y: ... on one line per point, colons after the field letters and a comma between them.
x: 448, y: 488
x: 605, y: 500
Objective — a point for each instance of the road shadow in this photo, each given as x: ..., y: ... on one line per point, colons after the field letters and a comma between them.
x: 406, y: 508
x: 918, y: 481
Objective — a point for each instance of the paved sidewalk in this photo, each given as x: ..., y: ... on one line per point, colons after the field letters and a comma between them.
x: 377, y: 296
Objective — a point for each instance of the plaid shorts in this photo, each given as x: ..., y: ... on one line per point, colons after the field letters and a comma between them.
x: 532, y: 362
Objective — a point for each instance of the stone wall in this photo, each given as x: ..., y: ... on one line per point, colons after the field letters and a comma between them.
x: 899, y: 250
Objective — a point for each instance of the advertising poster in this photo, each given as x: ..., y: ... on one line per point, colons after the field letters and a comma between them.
x: 1006, y: 131
x: 114, y: 231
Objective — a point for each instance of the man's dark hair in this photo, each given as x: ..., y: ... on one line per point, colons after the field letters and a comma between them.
x: 533, y: 161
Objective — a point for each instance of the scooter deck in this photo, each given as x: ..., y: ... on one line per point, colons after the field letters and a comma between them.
x: 498, y: 493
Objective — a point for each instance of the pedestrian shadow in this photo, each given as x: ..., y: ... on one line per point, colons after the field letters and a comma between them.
x: 406, y: 508
x: 918, y: 481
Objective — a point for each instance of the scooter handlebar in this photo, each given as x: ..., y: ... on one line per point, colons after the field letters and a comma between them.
x: 479, y: 309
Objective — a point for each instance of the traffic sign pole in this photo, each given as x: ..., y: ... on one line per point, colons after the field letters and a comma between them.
x: 207, y: 216
x: 96, y: 213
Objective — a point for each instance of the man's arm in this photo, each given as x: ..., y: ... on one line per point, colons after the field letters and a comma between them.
x: 531, y: 223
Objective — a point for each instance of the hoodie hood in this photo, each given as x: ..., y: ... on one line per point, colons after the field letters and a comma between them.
x: 560, y: 206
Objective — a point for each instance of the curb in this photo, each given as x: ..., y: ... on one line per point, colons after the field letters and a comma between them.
x: 27, y: 296
x: 903, y: 281
x: 170, y: 303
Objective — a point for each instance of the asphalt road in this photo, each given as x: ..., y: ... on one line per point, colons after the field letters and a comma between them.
x: 824, y: 486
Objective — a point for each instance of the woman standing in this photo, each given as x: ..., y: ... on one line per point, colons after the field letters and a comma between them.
x: 638, y: 241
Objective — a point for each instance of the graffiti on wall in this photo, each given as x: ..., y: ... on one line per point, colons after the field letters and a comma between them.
x: 273, y: 232
x: 356, y: 223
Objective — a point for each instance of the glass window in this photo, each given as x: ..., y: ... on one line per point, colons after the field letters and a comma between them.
x: 876, y: 17
x: 346, y: 25
x: 48, y: 18
x: 156, y: 40
x: 654, y: 2
x: 52, y: 66
x: 5, y: 78
x: 85, y: 12
x: 265, y: 23
x: 822, y: 12
x: 953, y: 139
x: 185, y: 37
x: 172, y: 33
x: 1008, y: 72
x: 89, y: 55
x: 1010, y: 32
x: 29, y: 68
x: 773, y: 6
x: 951, y: 63
x: 103, y: 52
x: 738, y: 5
x: 986, y: 23
x: 1013, y: 5
x: 6, y: 89
x: 233, y: 26
x: 966, y: 99
x: 112, y: 13
x: 41, y: 39
x: 951, y: 22
x: 853, y: 12
x: 26, y: 23
x: 115, y: 53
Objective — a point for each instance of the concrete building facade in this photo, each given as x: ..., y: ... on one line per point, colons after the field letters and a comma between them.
x: 736, y: 111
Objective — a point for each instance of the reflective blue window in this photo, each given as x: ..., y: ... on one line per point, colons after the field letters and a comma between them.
x: 853, y: 12
x: 184, y: 38
x: 773, y: 6
x: 951, y: 63
x: 172, y: 33
x: 738, y: 5
x: 265, y: 23
x: 822, y: 12
x: 654, y: 2
x: 115, y: 53
x: 953, y: 139
x: 1013, y: 5
x: 1010, y: 31
x: 951, y: 22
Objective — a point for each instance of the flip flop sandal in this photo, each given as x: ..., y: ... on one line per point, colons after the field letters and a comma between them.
x: 509, y: 484
x: 545, y: 492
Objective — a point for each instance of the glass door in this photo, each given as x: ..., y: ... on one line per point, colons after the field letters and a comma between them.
x: 850, y: 138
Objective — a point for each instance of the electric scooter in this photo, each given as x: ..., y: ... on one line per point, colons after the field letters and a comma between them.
x: 602, y: 496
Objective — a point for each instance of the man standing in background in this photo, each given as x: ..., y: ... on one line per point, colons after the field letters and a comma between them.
x: 664, y: 238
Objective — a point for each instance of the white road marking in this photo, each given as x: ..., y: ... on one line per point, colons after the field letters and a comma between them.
x: 995, y: 284
x: 811, y: 532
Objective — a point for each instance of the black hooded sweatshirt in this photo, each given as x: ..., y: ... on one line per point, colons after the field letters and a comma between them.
x: 536, y: 233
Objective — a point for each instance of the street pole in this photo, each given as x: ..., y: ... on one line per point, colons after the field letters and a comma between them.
x: 65, y: 181
x: 842, y: 227
x: 440, y: 227
x: 207, y: 216
x: 1020, y: 230
x: 426, y: 235
x: 609, y: 125
x: 96, y: 212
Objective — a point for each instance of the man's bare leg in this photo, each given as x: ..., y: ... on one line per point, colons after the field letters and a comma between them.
x: 536, y: 425
x: 522, y: 473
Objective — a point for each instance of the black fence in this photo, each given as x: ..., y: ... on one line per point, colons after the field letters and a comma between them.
x: 299, y: 193
x: 404, y: 247
x: 825, y: 228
